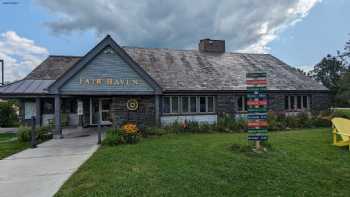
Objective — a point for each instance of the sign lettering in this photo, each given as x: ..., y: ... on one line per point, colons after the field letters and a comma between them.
x: 257, y: 106
x: 111, y: 82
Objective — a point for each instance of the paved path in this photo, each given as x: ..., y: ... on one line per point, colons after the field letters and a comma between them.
x: 8, y: 130
x: 42, y: 171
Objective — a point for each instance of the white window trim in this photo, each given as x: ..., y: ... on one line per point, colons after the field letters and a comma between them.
x: 180, y: 111
x: 295, y: 108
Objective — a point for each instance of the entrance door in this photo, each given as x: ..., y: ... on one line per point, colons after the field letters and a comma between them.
x: 105, y: 111
x: 100, y: 107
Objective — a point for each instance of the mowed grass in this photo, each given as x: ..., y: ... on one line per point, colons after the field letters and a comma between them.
x: 299, y: 163
x: 9, y: 145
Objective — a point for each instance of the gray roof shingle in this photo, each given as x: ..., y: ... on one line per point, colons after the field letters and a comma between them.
x: 176, y: 70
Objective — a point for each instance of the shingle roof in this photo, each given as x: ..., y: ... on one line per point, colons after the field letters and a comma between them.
x: 52, y: 67
x: 193, y: 70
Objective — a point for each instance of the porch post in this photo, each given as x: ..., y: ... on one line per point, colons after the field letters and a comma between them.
x: 58, y: 130
x: 38, y: 111
x: 157, y: 110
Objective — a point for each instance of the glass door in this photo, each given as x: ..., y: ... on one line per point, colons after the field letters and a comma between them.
x: 100, y: 107
x: 105, y: 111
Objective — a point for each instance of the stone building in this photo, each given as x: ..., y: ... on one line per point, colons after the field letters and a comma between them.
x: 157, y: 86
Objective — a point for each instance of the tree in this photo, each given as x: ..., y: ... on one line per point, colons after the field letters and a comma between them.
x: 343, y: 94
x: 329, y: 71
x: 345, y: 55
x: 8, y: 116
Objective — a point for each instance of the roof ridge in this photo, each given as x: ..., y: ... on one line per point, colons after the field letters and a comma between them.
x: 77, y: 56
x: 194, y: 50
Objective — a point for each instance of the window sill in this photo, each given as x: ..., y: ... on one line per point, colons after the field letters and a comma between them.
x: 189, y: 114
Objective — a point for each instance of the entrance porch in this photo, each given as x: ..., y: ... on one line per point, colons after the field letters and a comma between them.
x: 85, y: 111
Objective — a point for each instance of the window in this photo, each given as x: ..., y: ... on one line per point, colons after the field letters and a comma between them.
x: 48, y: 107
x: 305, y: 103
x: 188, y: 104
x: 286, y: 102
x: 166, y: 105
x: 29, y: 110
x: 175, y: 104
x: 184, y: 103
x: 299, y: 102
x: 242, y: 103
x: 193, y: 104
x: 210, y: 104
x: 202, y: 104
x: 296, y: 103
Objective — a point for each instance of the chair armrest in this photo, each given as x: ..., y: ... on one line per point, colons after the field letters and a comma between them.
x: 341, y: 133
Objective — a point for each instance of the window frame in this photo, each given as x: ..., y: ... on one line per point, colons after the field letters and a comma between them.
x: 243, y: 102
x: 189, y: 105
x: 293, y: 99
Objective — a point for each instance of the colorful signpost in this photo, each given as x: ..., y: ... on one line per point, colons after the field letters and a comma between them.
x: 257, y: 107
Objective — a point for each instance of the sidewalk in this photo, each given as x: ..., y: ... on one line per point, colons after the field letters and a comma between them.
x: 42, y: 171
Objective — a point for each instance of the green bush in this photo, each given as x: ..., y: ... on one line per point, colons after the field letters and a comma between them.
x: 155, y: 131
x: 344, y: 113
x: 113, y: 137
x: 44, y: 133
x: 8, y: 116
x: 228, y: 123
x: 24, y: 134
x: 276, y: 121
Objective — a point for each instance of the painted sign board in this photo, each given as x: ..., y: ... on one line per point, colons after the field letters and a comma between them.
x: 257, y: 106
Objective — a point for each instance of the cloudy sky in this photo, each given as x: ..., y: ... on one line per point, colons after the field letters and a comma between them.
x: 300, y: 32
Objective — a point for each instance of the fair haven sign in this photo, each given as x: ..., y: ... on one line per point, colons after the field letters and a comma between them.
x: 110, y: 82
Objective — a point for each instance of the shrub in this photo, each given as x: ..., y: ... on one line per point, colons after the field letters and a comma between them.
x: 24, y: 134
x: 130, y: 132
x: 44, y: 133
x: 155, y: 131
x: 8, y: 116
x: 228, y: 123
x: 113, y: 137
x: 344, y: 113
x: 276, y: 121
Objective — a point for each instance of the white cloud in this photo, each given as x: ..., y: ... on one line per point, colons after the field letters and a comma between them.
x: 20, y: 55
x: 246, y: 25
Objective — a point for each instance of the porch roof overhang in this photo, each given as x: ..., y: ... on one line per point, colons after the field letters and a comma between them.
x: 26, y: 88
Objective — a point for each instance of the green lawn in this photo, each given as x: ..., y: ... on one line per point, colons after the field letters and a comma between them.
x: 9, y: 145
x: 300, y: 163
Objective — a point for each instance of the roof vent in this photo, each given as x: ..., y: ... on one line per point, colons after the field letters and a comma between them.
x: 212, y: 46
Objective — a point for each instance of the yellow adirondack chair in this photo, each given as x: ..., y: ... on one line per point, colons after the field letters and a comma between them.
x: 341, y: 126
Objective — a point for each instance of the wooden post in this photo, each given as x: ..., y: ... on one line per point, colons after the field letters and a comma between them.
x: 257, y: 145
x: 58, y: 129
x: 99, y: 129
x: 38, y: 111
x: 157, y: 110
x: 33, y: 133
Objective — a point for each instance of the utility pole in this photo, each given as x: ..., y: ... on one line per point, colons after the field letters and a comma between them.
x: 2, y: 72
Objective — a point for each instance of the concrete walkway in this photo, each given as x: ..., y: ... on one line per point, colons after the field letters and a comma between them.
x: 8, y: 130
x: 42, y: 171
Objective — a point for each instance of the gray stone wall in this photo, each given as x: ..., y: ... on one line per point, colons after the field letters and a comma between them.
x: 144, y: 115
x: 226, y: 103
x: 276, y: 102
x: 320, y: 101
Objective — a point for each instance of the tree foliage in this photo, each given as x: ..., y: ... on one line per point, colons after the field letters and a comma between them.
x: 329, y: 71
x: 8, y: 116
x: 343, y: 94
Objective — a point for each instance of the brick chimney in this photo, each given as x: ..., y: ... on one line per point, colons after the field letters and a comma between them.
x: 212, y: 46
